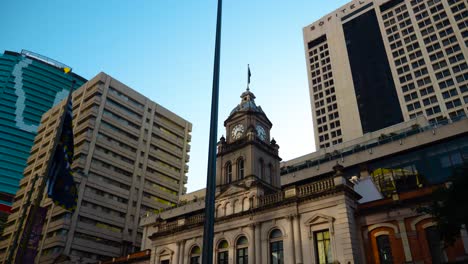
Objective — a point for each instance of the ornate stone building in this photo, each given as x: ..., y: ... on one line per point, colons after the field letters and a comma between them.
x: 256, y: 220
x: 351, y: 203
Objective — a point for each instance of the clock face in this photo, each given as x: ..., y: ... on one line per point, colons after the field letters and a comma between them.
x: 237, y: 131
x: 261, y: 132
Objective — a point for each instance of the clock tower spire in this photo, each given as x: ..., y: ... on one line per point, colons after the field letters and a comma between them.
x: 247, y: 156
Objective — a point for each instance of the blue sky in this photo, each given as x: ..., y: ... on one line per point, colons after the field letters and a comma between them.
x: 164, y: 49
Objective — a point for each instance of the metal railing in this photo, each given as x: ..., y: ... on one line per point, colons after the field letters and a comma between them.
x: 369, y: 144
x: 257, y: 203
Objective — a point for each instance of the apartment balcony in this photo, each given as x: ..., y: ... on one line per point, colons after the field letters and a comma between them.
x: 9, y: 229
x: 165, y: 170
x: 92, y: 213
x: 94, y: 247
x: 60, y: 223
x: 58, y: 240
x: 93, y: 229
x: 166, y: 146
x: 4, y: 243
x: 153, y: 177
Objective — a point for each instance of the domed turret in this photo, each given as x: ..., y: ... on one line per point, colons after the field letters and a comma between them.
x: 247, y: 104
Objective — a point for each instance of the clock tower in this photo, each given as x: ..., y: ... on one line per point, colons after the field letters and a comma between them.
x: 248, y: 156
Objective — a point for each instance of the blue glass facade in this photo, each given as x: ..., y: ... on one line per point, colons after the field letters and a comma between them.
x: 29, y: 86
x: 373, y: 82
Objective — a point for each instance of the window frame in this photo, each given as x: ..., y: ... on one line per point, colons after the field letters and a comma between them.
x: 276, y: 241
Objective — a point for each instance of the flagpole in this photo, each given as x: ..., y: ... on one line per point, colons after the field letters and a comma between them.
x: 37, y: 201
x: 208, y: 230
x: 248, y: 77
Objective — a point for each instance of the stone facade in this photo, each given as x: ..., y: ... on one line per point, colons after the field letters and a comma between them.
x: 251, y: 205
x: 359, y: 199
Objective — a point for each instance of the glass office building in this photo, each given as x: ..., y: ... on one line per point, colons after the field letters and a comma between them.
x: 30, y: 84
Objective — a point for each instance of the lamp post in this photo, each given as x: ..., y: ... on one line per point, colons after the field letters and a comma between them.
x: 208, y: 230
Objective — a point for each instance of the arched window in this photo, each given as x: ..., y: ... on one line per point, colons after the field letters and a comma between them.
x: 242, y: 247
x: 262, y: 169
x: 219, y: 211
x: 385, y: 251
x: 223, y: 254
x: 240, y: 169
x: 195, y: 255
x: 276, y: 247
x: 228, y: 172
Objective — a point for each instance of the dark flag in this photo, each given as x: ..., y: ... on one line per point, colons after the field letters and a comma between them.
x: 248, y: 74
x: 61, y: 187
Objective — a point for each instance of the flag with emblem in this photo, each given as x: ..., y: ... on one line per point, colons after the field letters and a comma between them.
x: 61, y: 187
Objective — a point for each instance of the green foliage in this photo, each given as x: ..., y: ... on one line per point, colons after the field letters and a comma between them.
x: 449, y: 206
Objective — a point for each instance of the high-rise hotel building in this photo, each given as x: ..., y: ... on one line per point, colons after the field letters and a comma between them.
x: 131, y: 158
x: 374, y: 63
x: 30, y: 84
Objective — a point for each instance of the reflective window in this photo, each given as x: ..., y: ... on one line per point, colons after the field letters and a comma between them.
x: 276, y: 247
x: 323, y: 247
x: 242, y: 251
x: 195, y: 255
x: 385, y: 250
x: 240, y: 169
x: 228, y: 172
x: 223, y: 254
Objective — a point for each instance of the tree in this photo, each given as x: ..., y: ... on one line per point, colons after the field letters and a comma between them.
x: 449, y: 206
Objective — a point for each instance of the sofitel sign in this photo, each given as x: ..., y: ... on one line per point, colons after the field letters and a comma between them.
x: 339, y: 13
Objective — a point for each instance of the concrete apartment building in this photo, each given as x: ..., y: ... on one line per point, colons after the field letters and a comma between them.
x: 375, y: 63
x: 130, y: 159
x: 352, y: 205
x: 30, y: 84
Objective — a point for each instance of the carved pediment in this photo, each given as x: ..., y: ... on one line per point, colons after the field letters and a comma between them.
x: 165, y: 251
x: 319, y: 219
x: 231, y: 190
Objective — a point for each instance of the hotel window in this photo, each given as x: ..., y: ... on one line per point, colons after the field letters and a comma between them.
x: 240, y: 168
x: 385, y: 251
x: 228, y: 169
x: 195, y: 255
x: 276, y: 247
x: 223, y: 254
x: 242, y: 250
x: 323, y: 247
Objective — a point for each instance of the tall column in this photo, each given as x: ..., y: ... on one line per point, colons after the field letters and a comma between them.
x: 182, y: 252
x: 404, y: 240
x: 252, y: 246
x: 297, y: 236
x: 177, y: 253
x: 292, y: 245
x: 258, y: 243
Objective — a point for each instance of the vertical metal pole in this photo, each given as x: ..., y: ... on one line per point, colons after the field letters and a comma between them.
x: 208, y: 231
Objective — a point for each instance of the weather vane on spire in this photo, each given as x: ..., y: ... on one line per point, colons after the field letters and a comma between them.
x: 248, y: 77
